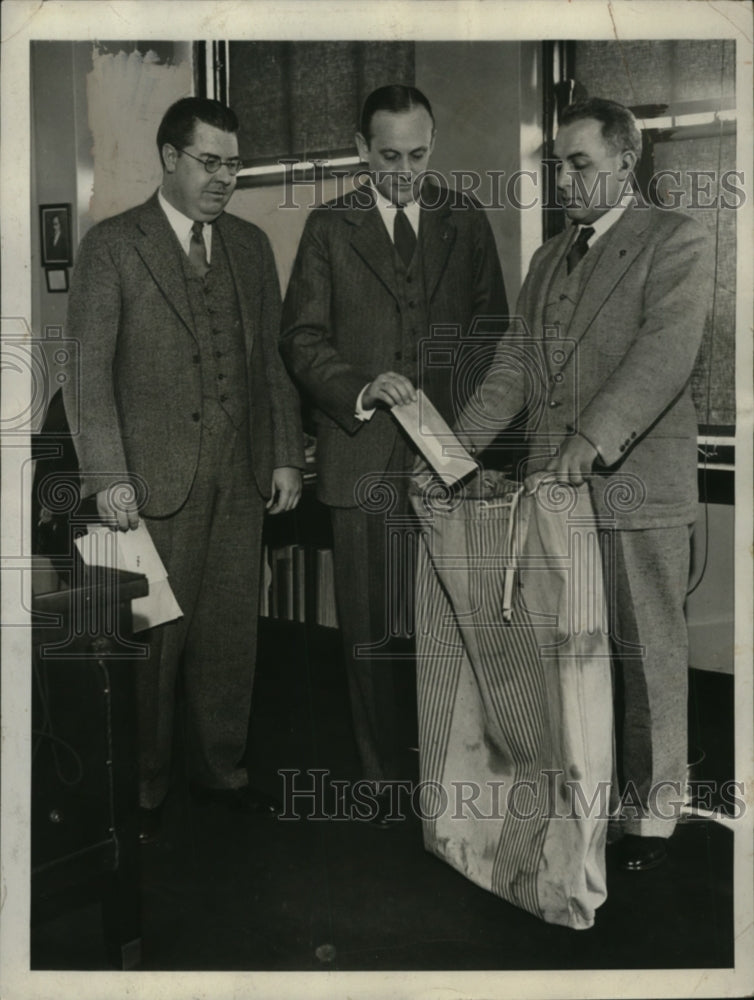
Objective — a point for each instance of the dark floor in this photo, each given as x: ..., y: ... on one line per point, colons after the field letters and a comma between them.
x: 233, y: 893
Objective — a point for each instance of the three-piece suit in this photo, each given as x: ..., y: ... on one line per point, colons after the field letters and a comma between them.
x: 353, y: 310
x: 182, y: 392
x: 614, y: 343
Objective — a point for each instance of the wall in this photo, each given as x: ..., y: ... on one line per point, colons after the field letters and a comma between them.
x: 474, y: 133
x: 53, y: 177
x: 63, y: 168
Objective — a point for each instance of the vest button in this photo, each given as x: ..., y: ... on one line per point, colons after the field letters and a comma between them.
x: 412, y: 303
x: 196, y: 359
x: 218, y: 354
x: 196, y: 417
x: 220, y: 377
x: 223, y: 398
x: 562, y: 296
x: 409, y: 279
x: 398, y: 356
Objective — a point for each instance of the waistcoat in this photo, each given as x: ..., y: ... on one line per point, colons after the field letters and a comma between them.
x: 217, y: 324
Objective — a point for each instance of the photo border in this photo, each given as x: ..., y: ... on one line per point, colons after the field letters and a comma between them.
x: 428, y: 19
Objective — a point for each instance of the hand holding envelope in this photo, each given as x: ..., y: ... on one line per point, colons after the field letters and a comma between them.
x: 435, y: 440
x: 133, y: 551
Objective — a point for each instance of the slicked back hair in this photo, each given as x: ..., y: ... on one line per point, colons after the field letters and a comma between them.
x: 395, y: 98
x: 619, y: 128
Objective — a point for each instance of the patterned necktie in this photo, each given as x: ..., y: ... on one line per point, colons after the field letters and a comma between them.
x: 579, y: 248
x: 404, y: 236
x: 198, y: 250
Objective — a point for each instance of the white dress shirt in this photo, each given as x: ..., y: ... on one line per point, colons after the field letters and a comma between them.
x: 606, y: 221
x: 181, y: 226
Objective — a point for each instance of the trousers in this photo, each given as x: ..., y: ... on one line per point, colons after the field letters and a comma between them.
x: 211, y: 549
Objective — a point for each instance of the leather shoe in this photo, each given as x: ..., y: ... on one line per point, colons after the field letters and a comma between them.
x: 150, y: 824
x: 641, y: 854
x: 244, y: 799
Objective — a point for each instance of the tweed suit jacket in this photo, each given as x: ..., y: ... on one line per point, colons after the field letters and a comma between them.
x: 619, y: 375
x: 342, y: 322
x: 138, y: 390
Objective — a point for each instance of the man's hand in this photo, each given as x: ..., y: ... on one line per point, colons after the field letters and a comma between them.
x: 286, y: 489
x: 389, y: 388
x: 573, y: 463
x: 117, y: 508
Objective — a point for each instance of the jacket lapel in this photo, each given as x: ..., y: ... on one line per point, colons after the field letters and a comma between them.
x: 159, y: 249
x: 370, y: 239
x: 246, y: 268
x: 437, y: 235
x: 539, y: 289
x: 623, y: 243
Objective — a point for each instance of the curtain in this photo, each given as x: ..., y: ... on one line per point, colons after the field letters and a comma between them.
x: 303, y: 99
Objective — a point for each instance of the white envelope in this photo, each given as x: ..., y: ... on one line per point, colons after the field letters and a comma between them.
x: 133, y: 551
x: 434, y: 439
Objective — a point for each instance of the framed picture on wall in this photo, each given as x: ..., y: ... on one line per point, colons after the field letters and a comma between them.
x: 57, y: 279
x: 55, y: 235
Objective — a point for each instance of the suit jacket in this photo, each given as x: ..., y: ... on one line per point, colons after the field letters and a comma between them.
x: 342, y: 321
x: 138, y: 390
x: 620, y: 375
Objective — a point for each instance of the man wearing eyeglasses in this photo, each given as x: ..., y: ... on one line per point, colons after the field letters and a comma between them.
x: 182, y: 396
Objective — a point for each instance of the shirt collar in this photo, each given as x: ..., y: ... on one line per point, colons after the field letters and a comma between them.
x: 181, y: 224
x: 608, y: 220
x: 388, y: 208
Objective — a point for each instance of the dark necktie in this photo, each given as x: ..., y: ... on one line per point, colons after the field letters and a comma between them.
x: 404, y: 236
x: 198, y: 250
x: 579, y: 248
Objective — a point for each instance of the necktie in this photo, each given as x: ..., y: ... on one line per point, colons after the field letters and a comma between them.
x: 404, y: 236
x: 198, y: 250
x: 580, y: 247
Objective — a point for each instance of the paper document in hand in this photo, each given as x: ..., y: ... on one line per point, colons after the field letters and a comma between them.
x: 434, y: 439
x: 134, y: 552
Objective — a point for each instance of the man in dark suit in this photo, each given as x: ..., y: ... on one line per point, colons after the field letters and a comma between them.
x: 615, y: 307
x: 376, y: 270
x: 188, y: 419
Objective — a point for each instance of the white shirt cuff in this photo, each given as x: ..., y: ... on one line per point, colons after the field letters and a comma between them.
x: 361, y: 413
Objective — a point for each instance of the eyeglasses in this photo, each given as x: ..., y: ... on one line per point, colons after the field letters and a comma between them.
x: 213, y: 163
